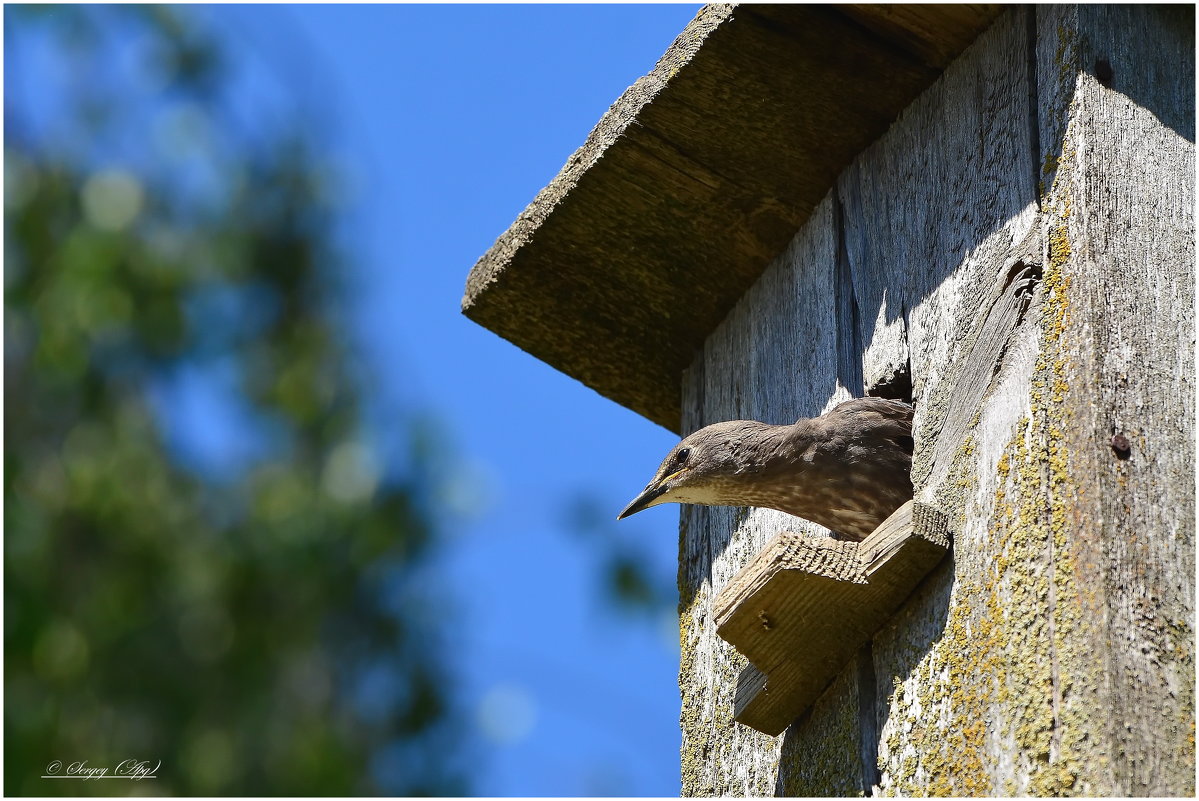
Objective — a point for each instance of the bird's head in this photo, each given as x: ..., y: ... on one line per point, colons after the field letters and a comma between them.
x: 705, y: 466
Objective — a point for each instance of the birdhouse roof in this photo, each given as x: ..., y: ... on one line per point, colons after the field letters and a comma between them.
x: 695, y: 179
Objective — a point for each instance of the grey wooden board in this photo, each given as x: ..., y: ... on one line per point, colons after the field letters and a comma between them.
x: 695, y: 179
x: 1055, y: 653
x: 1125, y: 200
x: 776, y: 356
x: 804, y: 605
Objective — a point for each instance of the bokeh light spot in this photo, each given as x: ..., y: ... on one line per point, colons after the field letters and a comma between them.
x: 351, y: 472
x: 112, y: 199
x: 506, y: 714
x: 468, y: 491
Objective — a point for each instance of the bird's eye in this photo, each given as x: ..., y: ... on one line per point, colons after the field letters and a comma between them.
x: 682, y: 455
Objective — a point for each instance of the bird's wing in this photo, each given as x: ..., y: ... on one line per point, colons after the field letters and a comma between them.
x: 882, y: 409
x: 875, y: 418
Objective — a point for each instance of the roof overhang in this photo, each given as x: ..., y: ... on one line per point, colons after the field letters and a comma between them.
x: 696, y: 178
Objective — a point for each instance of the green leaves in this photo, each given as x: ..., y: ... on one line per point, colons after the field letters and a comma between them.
x: 218, y: 623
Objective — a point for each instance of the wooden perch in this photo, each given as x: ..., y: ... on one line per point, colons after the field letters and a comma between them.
x: 803, y: 606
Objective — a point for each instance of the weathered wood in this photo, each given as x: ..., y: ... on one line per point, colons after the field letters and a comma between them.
x: 695, y: 179
x: 1119, y: 358
x: 1032, y: 639
x: 803, y: 606
x: 1055, y: 653
x: 935, y: 33
x: 796, y: 340
x: 905, y: 226
x: 972, y: 375
x: 912, y: 525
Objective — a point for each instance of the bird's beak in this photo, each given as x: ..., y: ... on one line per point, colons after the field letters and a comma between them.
x: 656, y: 489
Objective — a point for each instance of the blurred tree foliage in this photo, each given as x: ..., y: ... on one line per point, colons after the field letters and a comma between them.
x: 264, y: 632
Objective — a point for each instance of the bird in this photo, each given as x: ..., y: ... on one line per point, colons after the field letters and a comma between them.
x: 847, y: 470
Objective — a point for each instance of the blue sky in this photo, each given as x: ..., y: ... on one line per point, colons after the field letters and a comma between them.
x: 445, y: 121
x: 449, y: 119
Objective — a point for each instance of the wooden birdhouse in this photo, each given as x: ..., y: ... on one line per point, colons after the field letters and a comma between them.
x: 986, y: 210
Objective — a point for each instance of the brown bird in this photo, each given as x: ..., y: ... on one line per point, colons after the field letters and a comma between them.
x: 846, y: 470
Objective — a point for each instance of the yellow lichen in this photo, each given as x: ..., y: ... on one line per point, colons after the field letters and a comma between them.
x: 1002, y: 677
x: 1049, y: 165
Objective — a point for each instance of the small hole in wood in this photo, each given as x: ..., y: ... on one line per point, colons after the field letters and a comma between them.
x: 897, y: 386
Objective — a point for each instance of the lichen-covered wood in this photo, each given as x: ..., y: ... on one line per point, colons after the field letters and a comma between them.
x: 695, y: 179
x: 804, y: 605
x: 1054, y: 654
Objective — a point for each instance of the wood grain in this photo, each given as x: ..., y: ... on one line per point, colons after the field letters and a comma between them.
x: 1121, y: 213
x: 694, y: 180
x: 804, y: 605
x: 1054, y: 654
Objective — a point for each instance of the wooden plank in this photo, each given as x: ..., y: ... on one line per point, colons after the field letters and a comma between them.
x: 896, y: 531
x: 1120, y: 527
x: 1038, y: 667
x: 934, y: 33
x: 804, y: 606
x: 775, y: 331
x: 1055, y: 654
x: 930, y: 215
x: 974, y: 374
x: 694, y: 180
